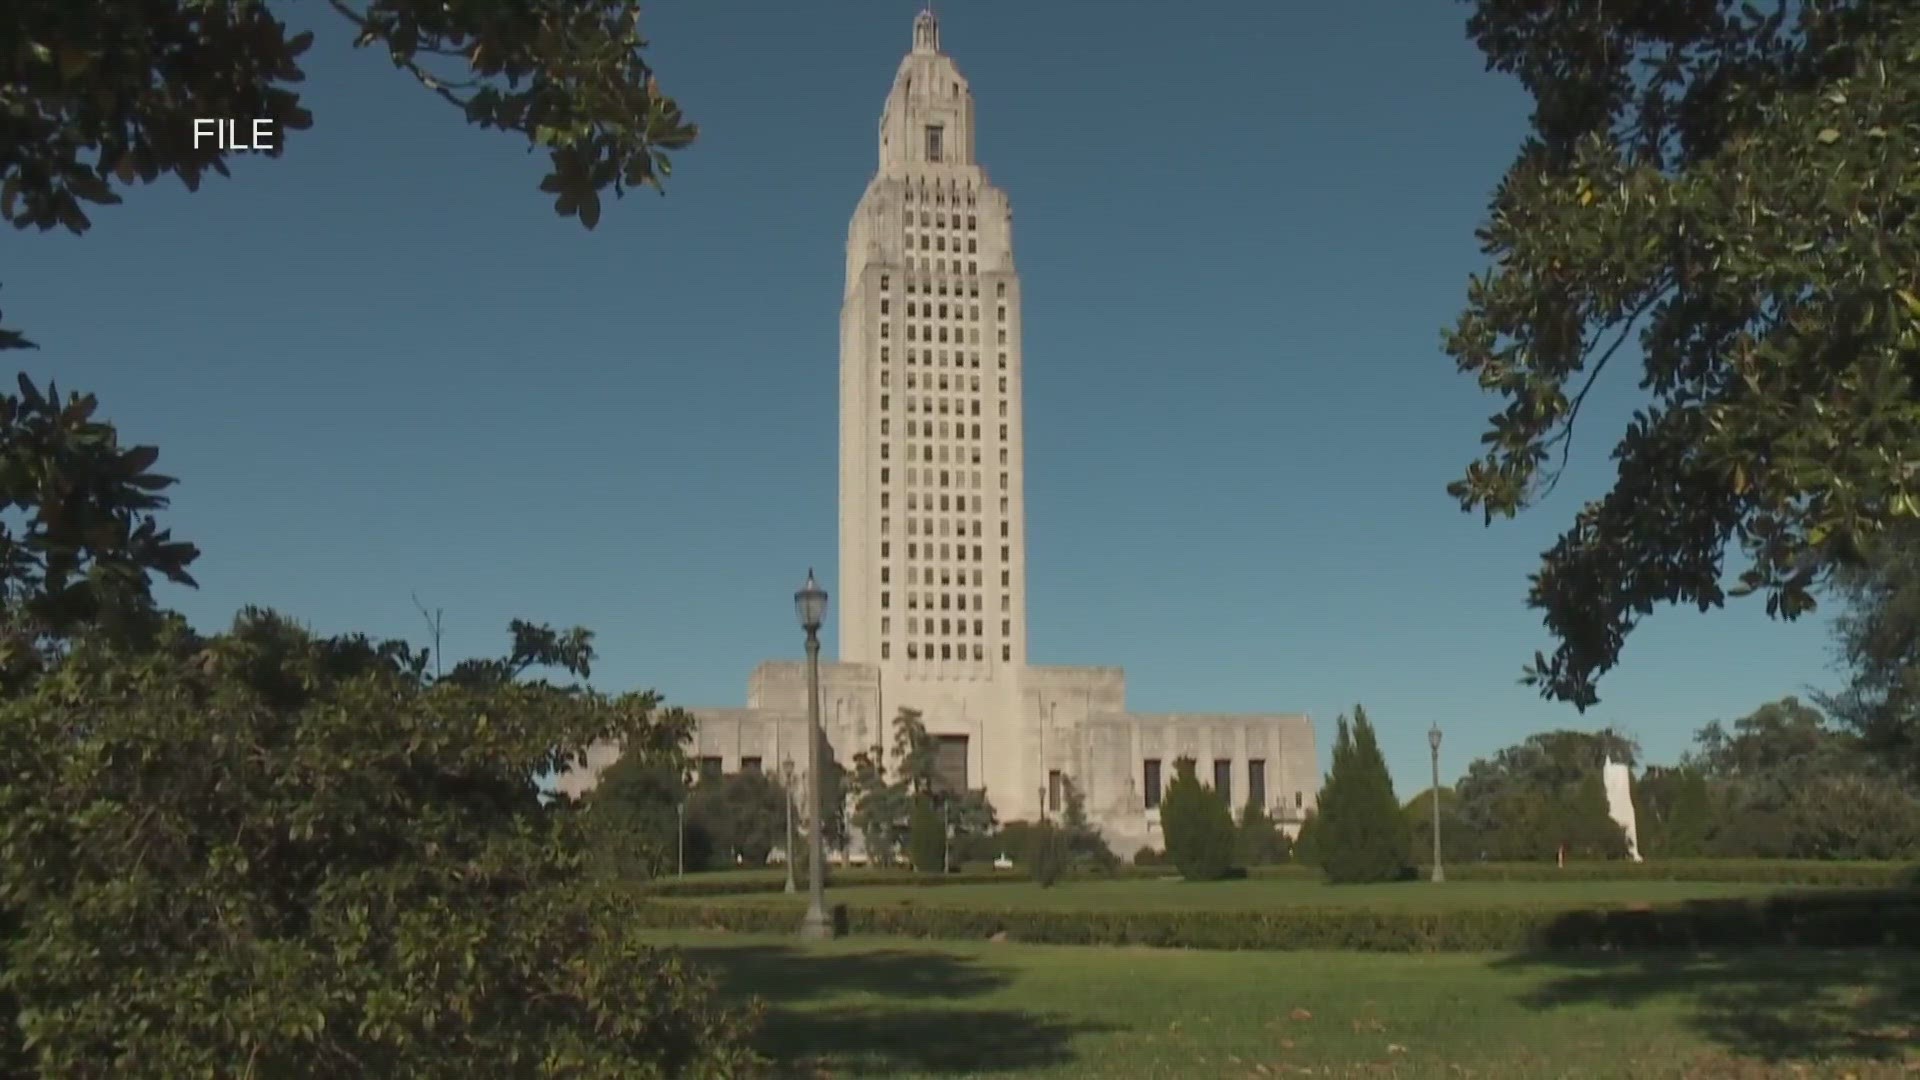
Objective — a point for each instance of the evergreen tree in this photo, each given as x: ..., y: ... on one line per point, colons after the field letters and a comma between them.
x: 1363, y: 833
x: 1306, y: 844
x: 1198, y: 826
x: 1084, y: 842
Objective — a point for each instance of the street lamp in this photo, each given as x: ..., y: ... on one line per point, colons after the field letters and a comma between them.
x: 1433, y: 742
x: 810, y: 604
x: 786, y: 791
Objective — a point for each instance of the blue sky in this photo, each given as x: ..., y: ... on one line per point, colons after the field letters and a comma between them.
x: 381, y: 366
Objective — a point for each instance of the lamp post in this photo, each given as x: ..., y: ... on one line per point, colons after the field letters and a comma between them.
x: 786, y: 790
x: 810, y: 604
x: 681, y: 812
x: 1433, y: 742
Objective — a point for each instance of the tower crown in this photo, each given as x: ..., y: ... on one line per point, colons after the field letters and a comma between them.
x: 926, y: 31
x: 928, y: 118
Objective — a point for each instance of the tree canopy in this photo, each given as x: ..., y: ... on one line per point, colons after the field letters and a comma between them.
x: 97, y: 96
x: 1731, y: 188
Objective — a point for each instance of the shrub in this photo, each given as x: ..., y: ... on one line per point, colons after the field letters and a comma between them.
x: 1198, y: 826
x: 1260, y: 842
x: 927, y: 838
x: 1047, y: 853
x: 1147, y: 856
x: 345, y: 869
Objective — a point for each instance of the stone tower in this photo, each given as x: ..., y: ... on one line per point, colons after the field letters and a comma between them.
x: 932, y: 524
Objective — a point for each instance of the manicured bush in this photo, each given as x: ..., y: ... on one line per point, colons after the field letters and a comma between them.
x: 1198, y: 826
x: 1048, y: 853
x: 927, y: 838
x: 1826, y: 920
x: 1259, y: 841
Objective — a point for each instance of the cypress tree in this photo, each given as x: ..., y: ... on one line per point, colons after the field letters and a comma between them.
x: 1362, y: 832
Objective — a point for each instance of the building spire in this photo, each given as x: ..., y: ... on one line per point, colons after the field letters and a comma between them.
x: 926, y: 30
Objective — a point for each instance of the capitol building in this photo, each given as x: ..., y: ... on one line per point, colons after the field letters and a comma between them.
x: 931, y: 592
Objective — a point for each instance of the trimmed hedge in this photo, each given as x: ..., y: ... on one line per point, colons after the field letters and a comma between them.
x: 1861, y: 875
x: 755, y: 882
x: 1832, y: 920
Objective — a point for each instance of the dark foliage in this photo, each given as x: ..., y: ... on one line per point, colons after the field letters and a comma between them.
x: 1198, y: 826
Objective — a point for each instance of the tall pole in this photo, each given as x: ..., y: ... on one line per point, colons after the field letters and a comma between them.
x: 1433, y: 741
x: 681, y: 811
x: 786, y: 791
x: 815, y: 925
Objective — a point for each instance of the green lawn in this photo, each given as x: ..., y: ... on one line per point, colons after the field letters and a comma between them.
x: 886, y: 1008
x: 1255, y: 894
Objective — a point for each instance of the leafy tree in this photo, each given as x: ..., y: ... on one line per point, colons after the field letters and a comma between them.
x: 1586, y: 824
x: 743, y: 816
x: 1521, y: 803
x: 1878, y: 634
x: 1362, y: 832
x: 1260, y: 841
x: 364, y: 849
x: 1674, y: 813
x: 1728, y: 186
x: 1198, y: 826
x: 1852, y: 817
x: 632, y: 814
x: 927, y: 837
x: 83, y: 542
x: 1777, y: 745
x: 104, y: 94
x: 1458, y: 842
x: 883, y: 807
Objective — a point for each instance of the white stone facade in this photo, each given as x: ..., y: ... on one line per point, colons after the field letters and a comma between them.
x: 932, y: 585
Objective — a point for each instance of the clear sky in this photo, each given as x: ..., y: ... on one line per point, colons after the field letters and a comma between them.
x: 381, y: 366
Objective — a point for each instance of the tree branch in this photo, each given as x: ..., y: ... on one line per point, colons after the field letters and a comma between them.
x: 1565, y: 436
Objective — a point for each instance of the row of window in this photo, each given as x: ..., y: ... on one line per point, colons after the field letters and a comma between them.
x: 886, y: 597
x: 939, y: 243
x: 924, y: 429
x: 940, y: 288
x: 1222, y: 782
x: 924, y: 358
x: 926, y: 454
x: 919, y: 197
x: 959, y: 502
x: 947, y: 651
x: 938, y: 220
x: 926, y: 310
x: 924, y: 526
x: 949, y: 578
x: 948, y: 477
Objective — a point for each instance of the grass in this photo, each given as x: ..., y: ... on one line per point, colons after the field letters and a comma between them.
x: 883, y: 1008
x: 1263, y: 894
